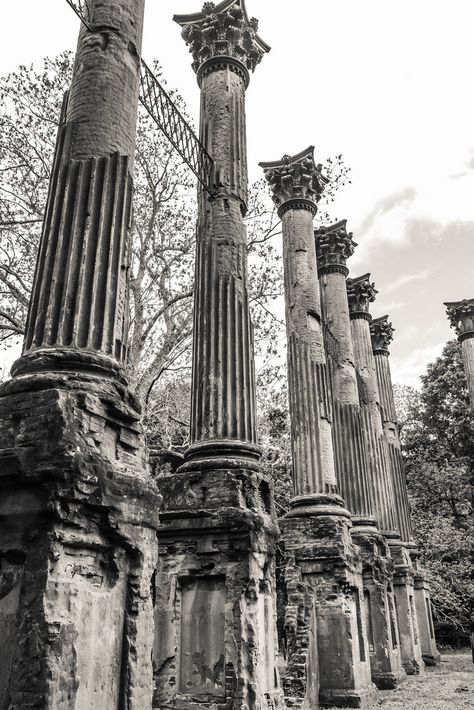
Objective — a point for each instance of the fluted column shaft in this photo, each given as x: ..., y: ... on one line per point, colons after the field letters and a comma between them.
x: 350, y: 451
x: 297, y: 184
x: 78, y: 310
x: 467, y: 349
x: 402, y: 505
x: 333, y: 247
x: 223, y: 403
x: 308, y: 385
x: 377, y: 449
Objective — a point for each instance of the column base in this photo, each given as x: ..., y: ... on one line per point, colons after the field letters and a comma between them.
x: 46, y: 360
x: 404, y: 593
x: 387, y: 680
x: 215, y: 643
x: 317, y: 505
x: 429, y: 652
x: 221, y: 454
x: 347, y: 699
x: 431, y: 660
x: 319, y: 548
x: 78, y: 520
x: 384, y: 648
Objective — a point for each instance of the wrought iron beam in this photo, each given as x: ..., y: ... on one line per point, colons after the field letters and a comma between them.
x: 362, y: 388
x: 165, y: 114
x: 330, y: 343
x: 81, y: 8
x: 172, y: 123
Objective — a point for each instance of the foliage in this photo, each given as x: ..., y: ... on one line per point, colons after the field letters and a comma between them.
x: 30, y: 102
x: 274, y: 431
x: 438, y: 446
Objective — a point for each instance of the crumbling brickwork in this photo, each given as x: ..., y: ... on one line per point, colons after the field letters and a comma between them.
x: 77, y: 531
x: 217, y: 571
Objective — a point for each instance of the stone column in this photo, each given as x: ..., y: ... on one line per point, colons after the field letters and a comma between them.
x: 215, y: 599
x: 461, y: 318
x: 78, y: 315
x: 316, y: 529
x: 381, y: 332
x: 78, y: 508
x: 333, y: 247
x: 361, y: 292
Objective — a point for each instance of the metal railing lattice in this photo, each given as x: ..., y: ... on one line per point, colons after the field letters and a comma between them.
x: 172, y: 123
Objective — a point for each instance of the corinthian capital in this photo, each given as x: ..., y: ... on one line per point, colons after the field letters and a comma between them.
x: 360, y: 293
x: 461, y: 317
x: 296, y: 181
x: 381, y: 333
x: 224, y: 31
x: 334, y: 246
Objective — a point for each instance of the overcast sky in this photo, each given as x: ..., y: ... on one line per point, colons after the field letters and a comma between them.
x: 387, y: 83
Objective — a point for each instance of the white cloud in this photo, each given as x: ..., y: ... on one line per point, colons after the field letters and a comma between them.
x: 405, y: 279
x: 407, y: 370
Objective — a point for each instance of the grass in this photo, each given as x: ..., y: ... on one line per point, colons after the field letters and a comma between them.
x: 436, y: 688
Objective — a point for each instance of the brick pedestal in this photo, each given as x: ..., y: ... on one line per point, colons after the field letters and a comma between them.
x: 78, y: 523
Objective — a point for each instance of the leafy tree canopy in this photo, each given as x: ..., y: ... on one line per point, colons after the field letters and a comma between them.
x: 437, y: 432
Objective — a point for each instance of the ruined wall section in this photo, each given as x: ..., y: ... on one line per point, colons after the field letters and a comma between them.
x: 77, y: 542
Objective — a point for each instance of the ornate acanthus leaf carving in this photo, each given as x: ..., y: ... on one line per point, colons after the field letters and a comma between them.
x: 295, y: 177
x: 360, y: 293
x: 381, y: 333
x: 461, y: 316
x: 223, y: 30
x: 334, y: 245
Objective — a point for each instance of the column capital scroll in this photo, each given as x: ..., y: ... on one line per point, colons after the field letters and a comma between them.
x: 223, y: 36
x: 461, y: 317
x: 381, y: 334
x: 296, y: 181
x: 360, y: 293
x: 334, y: 245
